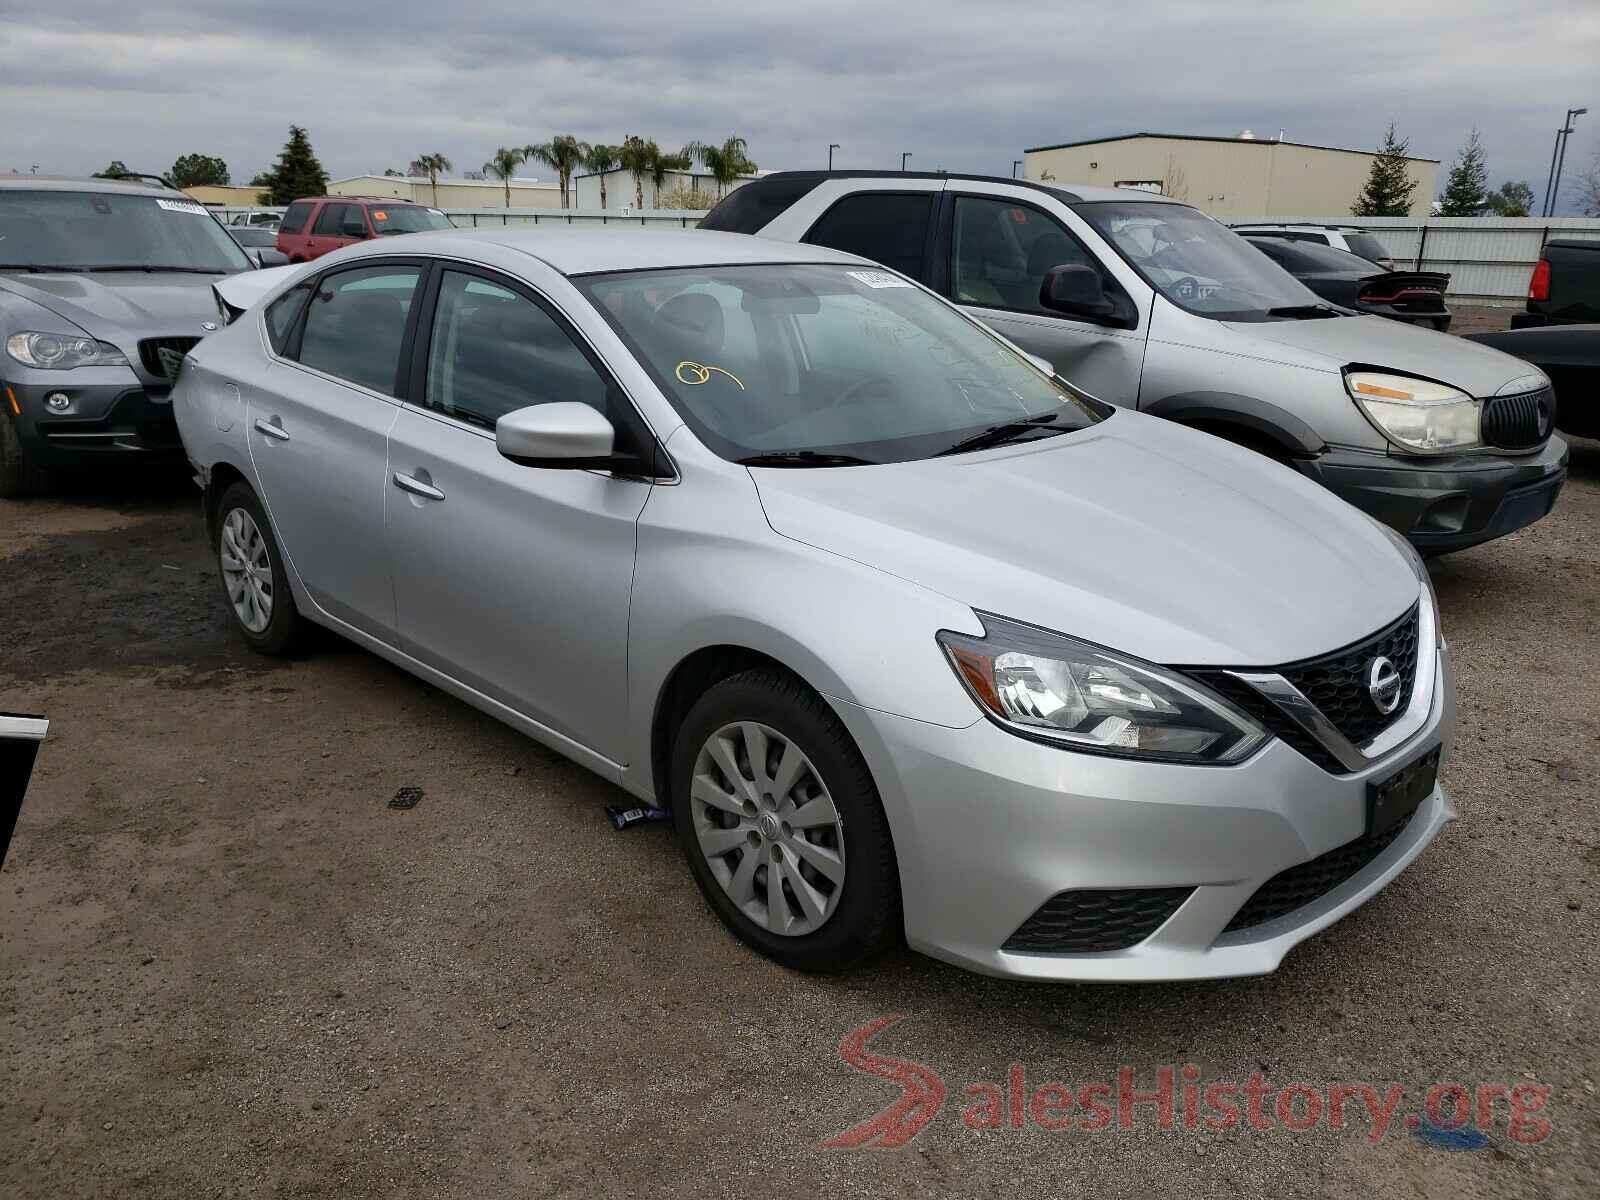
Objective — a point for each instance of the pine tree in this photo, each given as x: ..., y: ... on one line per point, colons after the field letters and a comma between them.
x: 1388, y: 189
x: 1466, y: 186
x: 298, y: 172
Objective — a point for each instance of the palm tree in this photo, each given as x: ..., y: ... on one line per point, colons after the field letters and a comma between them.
x: 600, y: 159
x: 504, y: 165
x: 726, y: 162
x: 637, y: 156
x: 564, y: 153
x: 661, y: 163
x: 433, y: 165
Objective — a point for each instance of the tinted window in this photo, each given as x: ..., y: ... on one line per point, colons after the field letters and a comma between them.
x: 1367, y: 246
x: 281, y: 314
x: 887, y: 227
x: 356, y: 324
x: 295, y: 219
x: 750, y: 208
x: 1304, y: 258
x: 254, y: 236
x: 330, y: 220
x: 1001, y: 251
x: 494, y: 351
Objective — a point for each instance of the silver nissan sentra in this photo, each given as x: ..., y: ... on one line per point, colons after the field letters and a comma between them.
x: 914, y: 639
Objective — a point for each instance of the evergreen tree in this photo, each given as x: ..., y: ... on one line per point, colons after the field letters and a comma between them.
x: 298, y: 172
x: 194, y: 170
x: 116, y: 170
x: 1465, y: 189
x: 1388, y: 189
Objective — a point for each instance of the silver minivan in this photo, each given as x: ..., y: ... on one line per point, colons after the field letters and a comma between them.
x: 1150, y: 304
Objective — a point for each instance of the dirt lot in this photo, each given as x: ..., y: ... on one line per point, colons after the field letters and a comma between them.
x: 228, y: 969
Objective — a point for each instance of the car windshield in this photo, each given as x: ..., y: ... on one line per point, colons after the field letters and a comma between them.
x: 105, y: 231
x: 250, y: 235
x: 408, y: 218
x: 828, y: 365
x: 1198, y: 264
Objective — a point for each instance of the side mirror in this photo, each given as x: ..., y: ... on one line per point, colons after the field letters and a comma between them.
x: 565, y: 434
x: 1076, y: 290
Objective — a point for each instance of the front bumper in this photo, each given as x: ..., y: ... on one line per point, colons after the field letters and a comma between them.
x: 110, y: 423
x: 1444, y: 504
x: 989, y: 826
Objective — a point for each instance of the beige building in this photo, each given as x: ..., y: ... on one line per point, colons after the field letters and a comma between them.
x: 452, y: 193
x: 1229, y: 177
x: 227, y: 197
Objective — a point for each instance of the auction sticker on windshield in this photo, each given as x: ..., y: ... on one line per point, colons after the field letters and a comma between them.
x: 182, y: 206
x: 878, y: 279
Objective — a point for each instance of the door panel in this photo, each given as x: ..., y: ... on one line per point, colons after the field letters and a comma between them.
x: 517, y: 581
x: 318, y: 433
x: 1000, y: 250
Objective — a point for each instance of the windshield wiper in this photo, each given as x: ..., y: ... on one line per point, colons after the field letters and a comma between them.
x: 151, y: 268
x: 1306, y: 312
x: 805, y: 458
x: 37, y: 268
x: 1006, y: 431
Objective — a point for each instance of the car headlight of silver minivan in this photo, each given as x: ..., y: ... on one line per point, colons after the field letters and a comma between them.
x: 1055, y: 688
x: 1417, y: 414
x: 62, y: 351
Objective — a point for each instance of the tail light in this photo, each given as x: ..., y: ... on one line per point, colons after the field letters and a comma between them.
x: 1539, y: 285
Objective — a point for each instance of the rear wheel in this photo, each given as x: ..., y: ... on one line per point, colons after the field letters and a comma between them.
x: 253, y: 577
x: 781, y: 823
x: 19, y: 475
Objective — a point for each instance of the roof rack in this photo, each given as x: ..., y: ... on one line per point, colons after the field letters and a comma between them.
x: 137, y: 177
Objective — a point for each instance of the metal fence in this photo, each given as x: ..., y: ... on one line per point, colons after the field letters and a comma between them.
x: 1487, y: 258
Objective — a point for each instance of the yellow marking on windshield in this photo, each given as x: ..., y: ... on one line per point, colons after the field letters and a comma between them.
x: 694, y: 374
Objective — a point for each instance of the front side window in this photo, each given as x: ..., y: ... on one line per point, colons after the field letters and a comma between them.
x: 294, y: 220
x: 1200, y: 265
x: 113, y: 231
x: 493, y: 351
x: 356, y: 324
x: 1000, y: 252
x: 887, y: 227
x: 825, y: 360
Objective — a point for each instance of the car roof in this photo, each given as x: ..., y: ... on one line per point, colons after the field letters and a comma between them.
x: 358, y: 200
x: 579, y: 251
x: 1070, y: 193
x: 34, y: 183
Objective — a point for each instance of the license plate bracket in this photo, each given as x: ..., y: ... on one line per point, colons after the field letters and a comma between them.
x: 1396, y: 797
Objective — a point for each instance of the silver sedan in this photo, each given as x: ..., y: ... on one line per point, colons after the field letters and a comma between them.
x: 914, y: 639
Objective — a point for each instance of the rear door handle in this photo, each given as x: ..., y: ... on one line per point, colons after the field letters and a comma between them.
x: 417, y: 487
x: 273, y: 429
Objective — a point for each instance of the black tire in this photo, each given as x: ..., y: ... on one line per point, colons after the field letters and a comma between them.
x: 19, y: 475
x: 286, y: 629
x: 867, y: 917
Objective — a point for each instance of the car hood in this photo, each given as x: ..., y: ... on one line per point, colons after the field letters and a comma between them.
x: 1389, y: 345
x: 1136, y: 534
x: 123, y: 305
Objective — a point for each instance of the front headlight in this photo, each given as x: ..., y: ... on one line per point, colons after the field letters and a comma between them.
x: 1049, y: 686
x: 62, y: 351
x: 1416, y: 414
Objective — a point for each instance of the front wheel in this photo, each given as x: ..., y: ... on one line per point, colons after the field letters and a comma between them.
x: 19, y: 475
x: 779, y: 818
x: 253, y: 576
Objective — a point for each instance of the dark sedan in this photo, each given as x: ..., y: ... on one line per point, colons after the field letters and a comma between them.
x: 1570, y: 355
x: 1349, y: 280
x: 261, y: 242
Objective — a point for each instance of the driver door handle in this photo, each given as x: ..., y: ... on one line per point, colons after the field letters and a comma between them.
x: 417, y: 487
x: 273, y: 429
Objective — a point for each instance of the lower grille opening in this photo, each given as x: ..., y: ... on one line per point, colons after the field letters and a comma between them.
x: 1301, y: 885
x: 1094, y: 920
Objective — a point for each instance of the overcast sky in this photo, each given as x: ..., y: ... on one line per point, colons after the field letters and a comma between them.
x: 962, y: 84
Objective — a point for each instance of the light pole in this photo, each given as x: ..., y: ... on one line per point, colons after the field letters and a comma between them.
x: 1561, y: 161
x: 832, y: 146
x: 903, y: 158
x: 1015, y: 163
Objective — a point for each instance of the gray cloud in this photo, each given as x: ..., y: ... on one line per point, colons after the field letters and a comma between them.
x: 961, y: 85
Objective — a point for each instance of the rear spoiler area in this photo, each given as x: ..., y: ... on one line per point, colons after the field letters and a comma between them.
x: 237, y: 294
x: 1392, y: 287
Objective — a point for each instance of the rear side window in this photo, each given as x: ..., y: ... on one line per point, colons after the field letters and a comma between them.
x: 295, y: 219
x: 751, y: 208
x: 888, y: 227
x: 356, y: 324
x: 1367, y: 246
x: 330, y: 219
x: 282, y: 314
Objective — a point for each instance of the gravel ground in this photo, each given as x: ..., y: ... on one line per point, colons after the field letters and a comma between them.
x: 228, y: 969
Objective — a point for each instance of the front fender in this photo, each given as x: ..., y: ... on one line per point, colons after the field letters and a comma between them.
x: 1246, y: 413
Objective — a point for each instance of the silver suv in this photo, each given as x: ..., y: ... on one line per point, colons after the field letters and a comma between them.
x: 1151, y: 304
